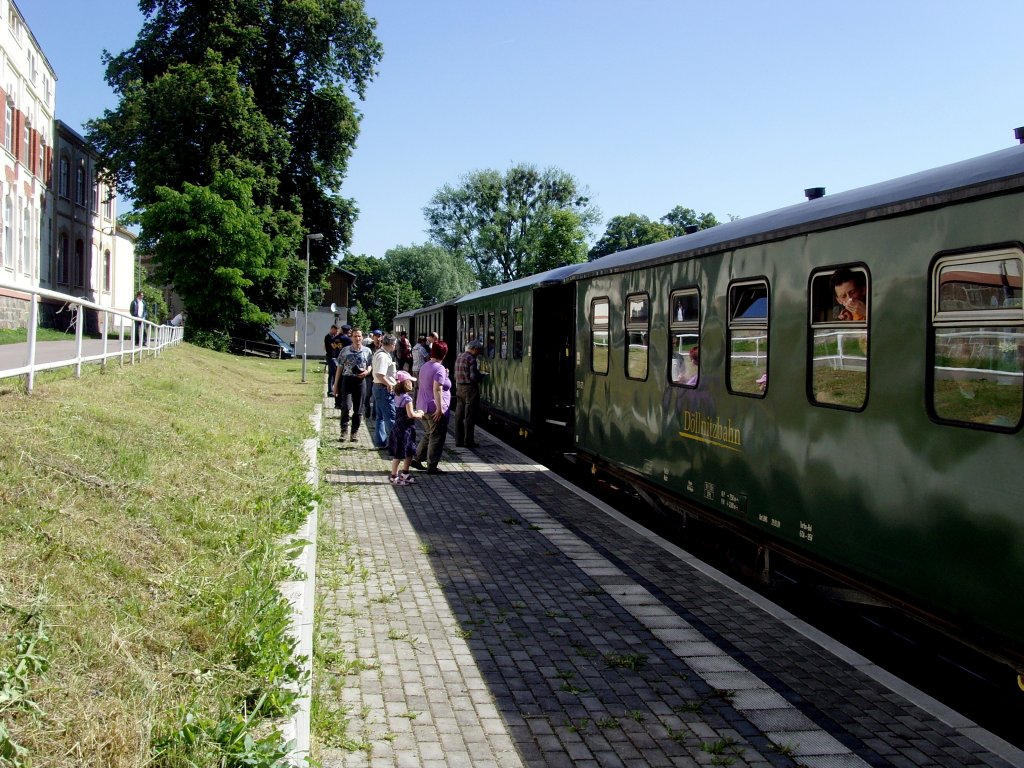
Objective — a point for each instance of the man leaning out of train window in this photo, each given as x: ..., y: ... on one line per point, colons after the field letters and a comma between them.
x: 851, y: 295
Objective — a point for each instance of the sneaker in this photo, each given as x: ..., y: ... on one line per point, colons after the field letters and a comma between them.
x: 409, y: 479
x: 354, y: 438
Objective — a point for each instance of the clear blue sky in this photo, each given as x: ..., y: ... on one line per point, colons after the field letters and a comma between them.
x: 728, y: 107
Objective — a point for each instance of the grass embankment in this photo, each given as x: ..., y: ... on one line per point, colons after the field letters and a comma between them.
x: 139, y: 510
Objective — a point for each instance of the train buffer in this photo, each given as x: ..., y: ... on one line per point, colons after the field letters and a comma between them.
x: 492, y: 616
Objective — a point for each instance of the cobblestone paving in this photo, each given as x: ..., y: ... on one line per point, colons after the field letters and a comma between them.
x: 488, y: 617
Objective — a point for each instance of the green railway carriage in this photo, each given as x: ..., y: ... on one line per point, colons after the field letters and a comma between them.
x: 437, y: 317
x: 876, y: 437
x: 527, y: 329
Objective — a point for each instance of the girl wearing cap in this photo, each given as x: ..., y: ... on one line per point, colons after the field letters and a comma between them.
x: 402, y: 440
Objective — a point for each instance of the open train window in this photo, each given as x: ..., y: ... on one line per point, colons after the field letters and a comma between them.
x: 517, y: 333
x: 684, y: 338
x: 470, y: 328
x: 748, y: 338
x: 638, y: 333
x: 977, y: 371
x: 490, y: 335
x: 599, y: 336
x: 839, y: 303
x: 504, y: 334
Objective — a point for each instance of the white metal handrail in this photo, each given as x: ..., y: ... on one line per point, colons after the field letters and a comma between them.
x: 154, y: 337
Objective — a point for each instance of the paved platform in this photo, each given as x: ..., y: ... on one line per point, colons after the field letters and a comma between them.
x: 493, y: 616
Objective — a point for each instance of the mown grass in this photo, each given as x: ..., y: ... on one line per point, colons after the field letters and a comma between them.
x: 139, y: 513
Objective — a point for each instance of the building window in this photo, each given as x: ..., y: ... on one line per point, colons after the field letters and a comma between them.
x: 977, y: 371
x: 79, y: 267
x: 748, y: 338
x: 106, y: 271
x: 26, y: 240
x: 95, y: 193
x: 9, y: 128
x: 80, y: 185
x: 684, y: 338
x: 64, y: 177
x: 26, y: 145
x: 8, y: 234
x: 62, y: 258
x: 599, y: 336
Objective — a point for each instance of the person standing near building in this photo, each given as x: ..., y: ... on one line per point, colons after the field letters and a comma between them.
x: 467, y: 394
x: 138, y: 311
x: 384, y: 370
x: 331, y: 356
x: 353, y: 369
x: 403, y: 353
x: 434, y: 398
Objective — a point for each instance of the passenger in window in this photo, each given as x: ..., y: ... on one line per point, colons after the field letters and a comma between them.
x: 695, y: 363
x: 850, y: 289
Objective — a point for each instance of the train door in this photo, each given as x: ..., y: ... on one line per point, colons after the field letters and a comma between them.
x: 553, y: 342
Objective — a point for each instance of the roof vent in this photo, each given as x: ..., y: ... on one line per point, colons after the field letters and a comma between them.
x: 1018, y: 134
x: 691, y: 228
x: 814, y: 193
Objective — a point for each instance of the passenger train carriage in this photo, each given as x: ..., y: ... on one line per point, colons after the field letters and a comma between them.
x: 841, y: 382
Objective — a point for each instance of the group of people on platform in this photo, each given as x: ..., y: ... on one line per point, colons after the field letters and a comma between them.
x: 397, y: 384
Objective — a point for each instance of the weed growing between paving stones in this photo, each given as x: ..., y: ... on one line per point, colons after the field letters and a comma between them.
x: 631, y: 661
x: 144, y: 503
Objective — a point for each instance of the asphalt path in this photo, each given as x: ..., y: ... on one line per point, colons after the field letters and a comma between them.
x: 13, y: 356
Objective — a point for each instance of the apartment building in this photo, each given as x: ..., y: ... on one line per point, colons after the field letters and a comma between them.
x: 27, y: 93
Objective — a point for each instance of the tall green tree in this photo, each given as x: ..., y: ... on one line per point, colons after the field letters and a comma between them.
x: 263, y: 89
x: 497, y: 221
x: 634, y: 230
x: 629, y: 231
x: 679, y: 218
x: 216, y: 247
x: 434, y: 273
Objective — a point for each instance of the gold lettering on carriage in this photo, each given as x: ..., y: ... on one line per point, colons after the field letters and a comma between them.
x: 702, y: 428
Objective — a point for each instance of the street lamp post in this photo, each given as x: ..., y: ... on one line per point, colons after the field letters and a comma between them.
x: 305, y: 304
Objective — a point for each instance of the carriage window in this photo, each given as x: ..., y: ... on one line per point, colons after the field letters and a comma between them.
x: 479, y: 327
x: 684, y: 339
x: 517, y: 333
x: 748, y: 338
x: 599, y: 336
x: 504, y: 333
x: 490, y: 335
x: 470, y: 328
x: 978, y: 320
x: 839, y: 337
x: 638, y: 331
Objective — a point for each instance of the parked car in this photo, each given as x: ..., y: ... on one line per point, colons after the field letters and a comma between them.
x: 264, y: 342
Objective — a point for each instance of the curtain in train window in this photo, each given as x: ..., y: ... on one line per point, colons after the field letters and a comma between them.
x: 490, y: 335
x: 684, y: 338
x: 978, y: 320
x: 839, y: 337
x: 504, y: 333
x: 517, y: 333
x: 748, y: 338
x: 599, y: 336
x: 638, y: 331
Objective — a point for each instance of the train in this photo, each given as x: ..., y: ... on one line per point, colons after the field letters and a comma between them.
x: 838, y: 383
